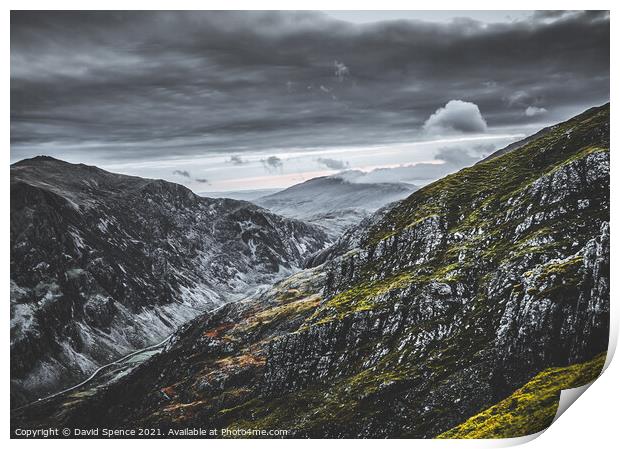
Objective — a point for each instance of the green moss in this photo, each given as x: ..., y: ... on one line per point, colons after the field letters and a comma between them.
x: 359, y: 298
x: 286, y: 311
x: 583, y: 153
x: 422, y: 220
x: 365, y: 296
x: 558, y: 281
x: 531, y: 408
x: 562, y: 268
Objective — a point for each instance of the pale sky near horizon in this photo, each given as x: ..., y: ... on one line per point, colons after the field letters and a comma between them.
x: 222, y: 101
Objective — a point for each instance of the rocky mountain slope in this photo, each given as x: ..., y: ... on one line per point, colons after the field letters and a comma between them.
x: 102, y: 264
x: 333, y: 202
x: 519, y: 143
x: 428, y: 313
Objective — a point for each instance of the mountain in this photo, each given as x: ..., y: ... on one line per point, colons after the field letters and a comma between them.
x: 479, y: 295
x: 543, y: 132
x: 102, y: 264
x: 518, y: 144
x: 244, y: 195
x: 333, y: 202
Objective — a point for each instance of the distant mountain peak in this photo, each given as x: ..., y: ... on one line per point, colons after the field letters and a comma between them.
x: 38, y: 159
x: 334, y: 202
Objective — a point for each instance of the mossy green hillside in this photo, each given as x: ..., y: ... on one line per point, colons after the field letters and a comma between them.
x: 531, y: 408
x: 474, y: 203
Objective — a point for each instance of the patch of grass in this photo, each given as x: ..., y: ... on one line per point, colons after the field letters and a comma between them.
x: 281, y: 312
x: 364, y: 296
x: 532, y: 407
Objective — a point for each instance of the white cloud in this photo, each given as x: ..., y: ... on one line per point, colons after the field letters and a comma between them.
x: 447, y: 160
x: 456, y: 115
x: 183, y: 173
x: 533, y: 111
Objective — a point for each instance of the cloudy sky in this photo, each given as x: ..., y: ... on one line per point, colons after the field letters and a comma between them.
x: 223, y: 101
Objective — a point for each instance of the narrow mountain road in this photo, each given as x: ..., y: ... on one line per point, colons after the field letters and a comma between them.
x: 119, y: 361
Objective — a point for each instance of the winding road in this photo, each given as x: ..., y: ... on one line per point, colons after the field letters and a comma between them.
x: 119, y: 361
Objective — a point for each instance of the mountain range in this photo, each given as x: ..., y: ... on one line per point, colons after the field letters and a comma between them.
x: 461, y: 310
x: 103, y: 264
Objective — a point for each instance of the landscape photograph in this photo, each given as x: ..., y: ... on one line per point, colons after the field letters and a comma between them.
x: 306, y: 224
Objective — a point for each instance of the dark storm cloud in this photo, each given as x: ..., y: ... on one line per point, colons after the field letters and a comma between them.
x: 183, y: 173
x: 132, y: 85
x: 188, y: 175
x: 236, y: 160
x: 272, y: 163
x: 333, y: 164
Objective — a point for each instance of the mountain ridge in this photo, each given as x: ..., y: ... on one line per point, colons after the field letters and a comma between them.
x: 544, y: 131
